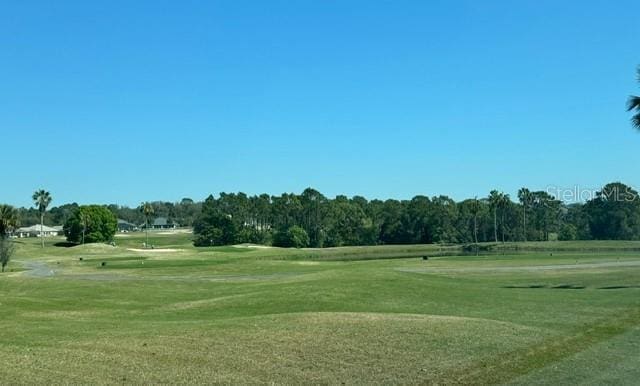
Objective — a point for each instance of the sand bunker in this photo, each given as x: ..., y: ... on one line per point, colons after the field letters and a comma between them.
x: 175, y: 232
x: 257, y: 246
x: 154, y: 250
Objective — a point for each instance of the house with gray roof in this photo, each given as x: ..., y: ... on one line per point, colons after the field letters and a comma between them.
x: 163, y: 223
x: 125, y: 226
x: 38, y: 231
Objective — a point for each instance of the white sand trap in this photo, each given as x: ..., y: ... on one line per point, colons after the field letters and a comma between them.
x: 257, y: 246
x: 155, y: 250
x: 174, y: 232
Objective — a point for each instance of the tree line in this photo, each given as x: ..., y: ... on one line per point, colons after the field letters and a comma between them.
x: 311, y: 219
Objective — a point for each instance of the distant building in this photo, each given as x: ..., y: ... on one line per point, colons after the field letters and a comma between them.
x: 37, y: 231
x: 125, y: 226
x: 163, y: 223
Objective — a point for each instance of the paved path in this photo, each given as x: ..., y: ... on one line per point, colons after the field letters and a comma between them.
x: 36, y: 269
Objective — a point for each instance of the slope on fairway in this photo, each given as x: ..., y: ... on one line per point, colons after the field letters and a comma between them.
x: 320, y: 347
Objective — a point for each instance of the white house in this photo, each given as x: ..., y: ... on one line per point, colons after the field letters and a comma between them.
x: 36, y: 231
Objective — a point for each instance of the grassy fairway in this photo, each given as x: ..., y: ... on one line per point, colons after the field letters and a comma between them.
x: 253, y: 315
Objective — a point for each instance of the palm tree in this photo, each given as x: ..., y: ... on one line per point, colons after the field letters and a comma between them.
x: 41, y: 200
x: 634, y: 104
x: 504, y: 204
x: 147, y: 210
x: 8, y: 219
x: 495, y: 201
x: 475, y: 209
x: 84, y: 219
x: 524, y: 195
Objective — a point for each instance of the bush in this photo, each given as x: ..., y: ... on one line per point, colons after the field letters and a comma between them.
x: 294, y: 237
x: 252, y: 236
x: 91, y: 224
x: 568, y: 232
x: 6, y: 251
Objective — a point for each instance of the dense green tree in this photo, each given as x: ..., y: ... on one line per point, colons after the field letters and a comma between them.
x: 466, y: 221
x: 91, y: 224
x: 614, y: 214
x: 186, y: 212
x: 30, y: 216
x: 132, y: 215
x: 345, y: 222
x: 504, y: 206
x: 41, y: 200
x: 443, y: 215
x: 262, y: 209
x: 314, y: 210
x: 546, y: 214
x: 396, y: 226
x: 213, y: 227
x: 577, y: 216
x: 286, y: 210
x: 415, y: 221
x: 60, y: 214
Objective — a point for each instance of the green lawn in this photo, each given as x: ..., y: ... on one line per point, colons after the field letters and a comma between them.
x: 548, y: 313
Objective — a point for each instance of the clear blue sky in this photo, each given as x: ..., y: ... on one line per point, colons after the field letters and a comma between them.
x: 120, y: 101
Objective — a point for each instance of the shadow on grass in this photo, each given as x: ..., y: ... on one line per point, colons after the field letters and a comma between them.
x: 65, y: 244
x: 568, y: 286
x: 618, y: 287
x: 532, y: 286
x: 537, y: 286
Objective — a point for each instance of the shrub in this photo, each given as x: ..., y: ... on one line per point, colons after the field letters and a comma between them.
x: 294, y: 237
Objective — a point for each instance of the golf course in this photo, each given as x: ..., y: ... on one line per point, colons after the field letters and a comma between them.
x: 525, y: 313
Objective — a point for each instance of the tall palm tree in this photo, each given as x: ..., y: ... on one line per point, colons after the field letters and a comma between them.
x: 84, y: 220
x: 495, y: 201
x: 8, y: 219
x: 524, y: 195
x: 147, y: 210
x: 41, y: 200
x: 504, y: 204
x: 633, y: 104
x: 475, y: 209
